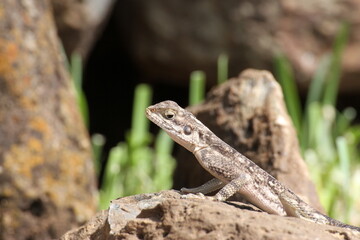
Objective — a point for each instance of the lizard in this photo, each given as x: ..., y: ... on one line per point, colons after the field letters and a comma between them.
x: 232, y: 171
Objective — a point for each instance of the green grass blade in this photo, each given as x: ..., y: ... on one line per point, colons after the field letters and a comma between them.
x: 333, y: 77
x: 315, y: 92
x: 140, y: 124
x: 64, y: 57
x: 76, y: 71
x: 222, y: 68
x: 76, y: 75
x: 344, y: 158
x: 343, y: 152
x: 197, y: 87
x: 288, y: 84
x: 164, y: 163
x: 112, y: 186
x: 325, y: 139
x: 344, y: 120
x: 84, y: 110
x: 163, y: 143
x: 313, y: 122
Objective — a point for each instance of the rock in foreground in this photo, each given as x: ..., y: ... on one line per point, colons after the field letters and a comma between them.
x: 166, y: 215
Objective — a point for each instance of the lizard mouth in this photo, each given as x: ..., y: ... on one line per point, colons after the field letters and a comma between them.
x: 148, y: 112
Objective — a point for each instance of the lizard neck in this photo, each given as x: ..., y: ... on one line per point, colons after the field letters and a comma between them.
x: 186, y: 144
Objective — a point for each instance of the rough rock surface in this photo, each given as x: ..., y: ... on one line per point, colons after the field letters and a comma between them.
x: 79, y: 22
x: 166, y: 215
x: 251, y: 32
x: 248, y: 112
x: 47, y: 179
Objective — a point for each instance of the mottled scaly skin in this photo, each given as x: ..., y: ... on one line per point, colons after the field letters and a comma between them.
x: 233, y: 171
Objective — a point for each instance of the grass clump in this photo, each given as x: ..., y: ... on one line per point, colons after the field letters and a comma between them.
x: 328, y: 140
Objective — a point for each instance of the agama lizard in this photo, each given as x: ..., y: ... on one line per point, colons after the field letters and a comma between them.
x: 233, y: 171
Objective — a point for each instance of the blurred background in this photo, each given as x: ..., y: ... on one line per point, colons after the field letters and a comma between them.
x: 312, y: 44
x: 162, y: 42
x: 125, y: 55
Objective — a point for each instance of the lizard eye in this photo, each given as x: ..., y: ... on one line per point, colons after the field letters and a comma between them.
x: 169, y: 114
x: 187, y: 130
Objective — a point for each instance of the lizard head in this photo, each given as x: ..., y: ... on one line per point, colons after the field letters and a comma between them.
x: 179, y: 124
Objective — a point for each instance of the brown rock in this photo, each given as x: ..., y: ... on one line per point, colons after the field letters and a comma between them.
x: 96, y: 228
x: 165, y: 215
x: 79, y: 22
x: 47, y: 182
x: 249, y: 114
x: 169, y: 39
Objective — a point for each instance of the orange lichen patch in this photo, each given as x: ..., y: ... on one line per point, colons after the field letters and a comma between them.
x: 73, y: 164
x: 58, y: 191
x: 40, y: 125
x: 85, y: 211
x: 14, y: 64
x: 28, y: 103
x: 7, y: 191
x: 21, y: 161
x: 8, y: 55
x: 35, y: 145
x: 62, y: 187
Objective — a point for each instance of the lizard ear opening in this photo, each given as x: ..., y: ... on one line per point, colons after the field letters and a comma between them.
x: 169, y: 114
x: 187, y: 130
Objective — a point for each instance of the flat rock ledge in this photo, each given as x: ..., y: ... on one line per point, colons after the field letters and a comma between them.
x: 171, y: 215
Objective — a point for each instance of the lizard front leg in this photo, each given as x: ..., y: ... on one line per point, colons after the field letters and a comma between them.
x: 210, y: 186
x: 232, y: 187
x: 227, y: 191
x: 215, y: 163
